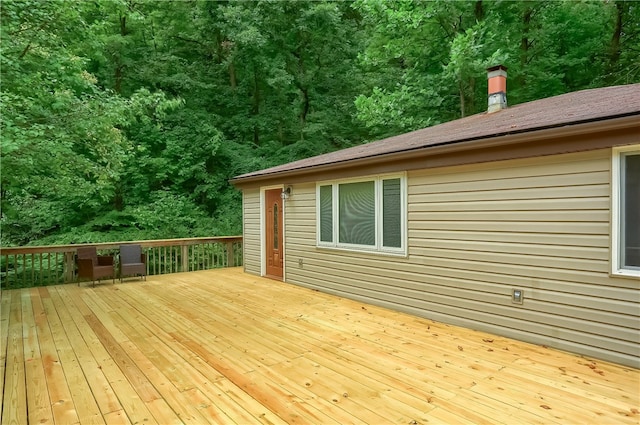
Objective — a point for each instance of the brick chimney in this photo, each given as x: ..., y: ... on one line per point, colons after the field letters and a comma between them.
x: 497, y: 77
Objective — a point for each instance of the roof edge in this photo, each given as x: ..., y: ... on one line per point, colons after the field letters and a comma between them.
x: 619, y: 122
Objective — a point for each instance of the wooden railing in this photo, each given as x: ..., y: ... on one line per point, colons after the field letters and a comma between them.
x: 29, y: 266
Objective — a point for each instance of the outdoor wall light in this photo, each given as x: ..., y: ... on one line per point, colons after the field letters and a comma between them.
x: 286, y: 193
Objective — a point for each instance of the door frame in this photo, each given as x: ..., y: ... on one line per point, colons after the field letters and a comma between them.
x: 263, y: 231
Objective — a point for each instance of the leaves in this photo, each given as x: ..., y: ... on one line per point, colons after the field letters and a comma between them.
x: 126, y: 119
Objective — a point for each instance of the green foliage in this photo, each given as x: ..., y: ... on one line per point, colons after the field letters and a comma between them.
x: 427, y: 60
x: 124, y: 120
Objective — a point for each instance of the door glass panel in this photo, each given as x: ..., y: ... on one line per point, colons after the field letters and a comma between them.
x: 275, y: 226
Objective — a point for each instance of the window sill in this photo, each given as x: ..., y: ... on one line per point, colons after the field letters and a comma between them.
x: 363, y: 251
x: 631, y: 274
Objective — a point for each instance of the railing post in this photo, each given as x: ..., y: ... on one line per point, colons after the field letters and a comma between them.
x: 45, y: 265
x: 230, y: 258
x: 185, y: 258
x: 69, y: 266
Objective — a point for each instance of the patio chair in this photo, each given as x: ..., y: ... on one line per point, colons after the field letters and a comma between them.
x: 132, y: 261
x: 93, y: 266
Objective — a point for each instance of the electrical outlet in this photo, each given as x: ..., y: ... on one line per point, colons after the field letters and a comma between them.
x: 517, y: 296
x: 300, y: 263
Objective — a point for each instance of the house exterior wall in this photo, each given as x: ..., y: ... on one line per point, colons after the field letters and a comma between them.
x: 475, y: 233
x: 251, y: 231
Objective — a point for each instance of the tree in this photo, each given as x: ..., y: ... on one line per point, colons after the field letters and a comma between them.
x: 63, y: 141
x: 426, y: 60
x: 125, y: 119
x: 61, y: 137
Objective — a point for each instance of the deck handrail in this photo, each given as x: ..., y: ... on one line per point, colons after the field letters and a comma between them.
x: 114, y: 245
x: 43, y: 265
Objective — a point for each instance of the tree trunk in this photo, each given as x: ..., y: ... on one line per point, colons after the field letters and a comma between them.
x: 123, y: 25
x: 232, y: 75
x: 305, y: 110
x: 462, y: 101
x: 118, y: 200
x: 614, y: 47
x: 118, y: 74
x: 256, y: 108
x: 478, y: 11
x: 525, y: 44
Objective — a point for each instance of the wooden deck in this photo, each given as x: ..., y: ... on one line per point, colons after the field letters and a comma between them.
x: 221, y: 346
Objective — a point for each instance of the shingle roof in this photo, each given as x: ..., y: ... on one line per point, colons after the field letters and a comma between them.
x: 563, y: 110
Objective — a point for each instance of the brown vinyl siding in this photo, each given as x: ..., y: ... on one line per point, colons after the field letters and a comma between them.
x: 476, y: 232
x: 251, y: 230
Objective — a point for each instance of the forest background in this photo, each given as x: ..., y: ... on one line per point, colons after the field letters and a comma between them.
x: 125, y: 119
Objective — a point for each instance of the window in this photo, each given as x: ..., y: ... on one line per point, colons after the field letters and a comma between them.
x: 626, y: 211
x: 366, y: 215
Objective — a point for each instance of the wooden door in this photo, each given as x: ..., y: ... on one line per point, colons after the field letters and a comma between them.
x: 273, y: 231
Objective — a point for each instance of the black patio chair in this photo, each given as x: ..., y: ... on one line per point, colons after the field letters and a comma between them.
x: 132, y: 261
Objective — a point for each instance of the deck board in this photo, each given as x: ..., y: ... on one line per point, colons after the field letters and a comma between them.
x: 222, y: 346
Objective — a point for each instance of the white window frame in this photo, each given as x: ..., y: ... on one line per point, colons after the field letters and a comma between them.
x: 378, y: 248
x: 616, y: 266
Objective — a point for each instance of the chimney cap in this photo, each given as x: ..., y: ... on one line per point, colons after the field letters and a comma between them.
x: 497, y: 68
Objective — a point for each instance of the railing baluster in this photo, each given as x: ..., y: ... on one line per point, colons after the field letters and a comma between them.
x: 24, y: 270
x: 4, y: 269
x: 163, y: 264
x: 48, y: 266
x: 230, y: 254
x: 42, y: 265
x: 15, y: 270
x: 40, y: 269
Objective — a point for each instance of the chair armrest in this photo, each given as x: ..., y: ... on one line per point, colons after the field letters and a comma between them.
x: 143, y: 258
x: 105, y: 260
